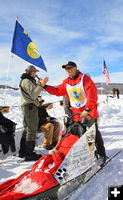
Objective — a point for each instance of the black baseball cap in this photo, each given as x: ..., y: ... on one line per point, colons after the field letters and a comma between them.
x: 69, y: 63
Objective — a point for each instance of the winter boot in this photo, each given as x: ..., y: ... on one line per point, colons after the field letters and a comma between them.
x: 22, y: 148
x: 30, y: 155
x: 102, y: 160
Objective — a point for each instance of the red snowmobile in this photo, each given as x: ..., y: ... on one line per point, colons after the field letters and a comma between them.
x: 56, y: 175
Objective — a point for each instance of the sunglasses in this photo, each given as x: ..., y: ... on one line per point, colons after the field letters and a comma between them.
x: 67, y: 68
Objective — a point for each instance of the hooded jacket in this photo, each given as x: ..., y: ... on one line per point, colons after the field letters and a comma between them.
x: 29, y: 90
x: 89, y: 88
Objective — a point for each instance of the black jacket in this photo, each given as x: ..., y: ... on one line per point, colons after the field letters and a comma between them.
x: 7, y: 124
x: 7, y: 128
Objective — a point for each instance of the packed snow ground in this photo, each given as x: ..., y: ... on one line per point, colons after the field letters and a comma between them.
x: 111, y: 127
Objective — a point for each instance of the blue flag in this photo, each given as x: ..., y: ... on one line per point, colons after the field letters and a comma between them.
x: 24, y: 47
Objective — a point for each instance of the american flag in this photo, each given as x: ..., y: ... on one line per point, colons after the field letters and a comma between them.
x: 105, y: 71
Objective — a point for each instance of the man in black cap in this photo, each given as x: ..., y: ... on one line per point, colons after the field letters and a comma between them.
x: 81, y: 92
x: 30, y: 90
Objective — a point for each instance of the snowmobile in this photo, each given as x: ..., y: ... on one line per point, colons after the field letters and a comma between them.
x: 55, y: 175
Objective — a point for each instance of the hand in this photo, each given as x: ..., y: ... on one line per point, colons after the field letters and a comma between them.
x: 84, y: 113
x: 54, y: 151
x: 43, y: 81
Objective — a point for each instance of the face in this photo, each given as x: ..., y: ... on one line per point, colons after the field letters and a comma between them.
x: 71, y: 70
x: 33, y: 74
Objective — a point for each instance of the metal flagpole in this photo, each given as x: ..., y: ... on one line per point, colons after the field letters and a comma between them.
x: 8, y: 68
x: 7, y: 77
x: 102, y: 80
x: 101, y: 88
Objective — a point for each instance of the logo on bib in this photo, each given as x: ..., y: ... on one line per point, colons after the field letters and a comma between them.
x: 76, y: 94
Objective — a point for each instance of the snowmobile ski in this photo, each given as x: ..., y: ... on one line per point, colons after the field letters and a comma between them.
x: 64, y: 192
x: 84, y: 178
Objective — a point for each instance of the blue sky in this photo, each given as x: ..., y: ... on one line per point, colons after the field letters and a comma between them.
x: 65, y: 30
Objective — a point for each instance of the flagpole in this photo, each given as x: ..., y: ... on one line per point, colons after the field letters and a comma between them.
x: 105, y: 72
x: 7, y: 78
x: 101, y: 88
x: 102, y: 80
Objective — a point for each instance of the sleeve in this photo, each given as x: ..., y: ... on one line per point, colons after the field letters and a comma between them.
x: 58, y: 91
x: 29, y: 87
x: 91, y: 92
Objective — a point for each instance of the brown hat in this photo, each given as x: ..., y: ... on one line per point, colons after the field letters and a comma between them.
x: 31, y: 68
x: 69, y: 63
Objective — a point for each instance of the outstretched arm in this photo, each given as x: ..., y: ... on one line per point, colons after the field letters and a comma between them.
x: 58, y: 91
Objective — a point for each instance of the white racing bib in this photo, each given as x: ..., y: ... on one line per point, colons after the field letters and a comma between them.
x: 77, y: 94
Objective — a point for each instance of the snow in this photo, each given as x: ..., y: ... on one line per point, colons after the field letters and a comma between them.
x: 110, y: 125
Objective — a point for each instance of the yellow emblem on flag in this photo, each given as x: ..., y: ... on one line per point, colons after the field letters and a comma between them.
x: 76, y: 94
x: 32, y: 50
x: 23, y: 47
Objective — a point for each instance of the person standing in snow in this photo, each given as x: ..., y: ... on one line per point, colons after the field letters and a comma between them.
x: 30, y: 90
x: 81, y: 92
x: 114, y: 92
x: 117, y: 93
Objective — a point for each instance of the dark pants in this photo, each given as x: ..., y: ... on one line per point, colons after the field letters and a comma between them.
x: 98, y: 140
x: 80, y: 128
x: 30, y: 121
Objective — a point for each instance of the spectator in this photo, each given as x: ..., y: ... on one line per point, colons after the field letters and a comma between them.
x: 117, y: 91
x: 114, y: 92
